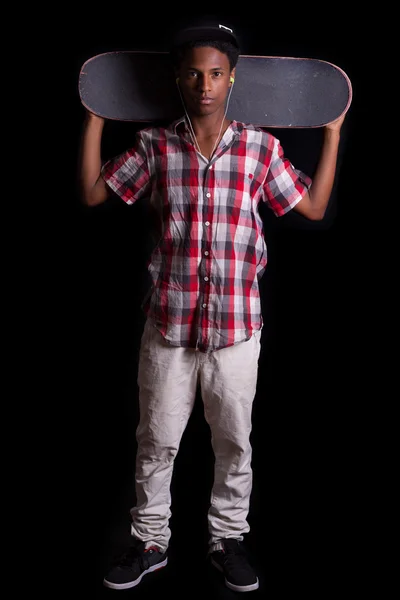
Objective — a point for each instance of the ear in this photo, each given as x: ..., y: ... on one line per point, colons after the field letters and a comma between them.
x: 232, y: 76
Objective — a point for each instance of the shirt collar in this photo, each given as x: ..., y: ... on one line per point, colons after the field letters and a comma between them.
x: 180, y: 126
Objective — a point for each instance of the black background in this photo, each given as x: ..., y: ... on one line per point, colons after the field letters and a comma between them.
x: 304, y: 515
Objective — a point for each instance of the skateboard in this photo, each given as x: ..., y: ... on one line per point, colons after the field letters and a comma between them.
x: 269, y: 91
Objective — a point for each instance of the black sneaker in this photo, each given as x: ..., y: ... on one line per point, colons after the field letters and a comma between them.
x: 233, y: 562
x: 133, y: 565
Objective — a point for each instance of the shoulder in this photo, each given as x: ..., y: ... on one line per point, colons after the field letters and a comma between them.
x: 150, y: 133
x: 255, y: 134
x: 155, y: 133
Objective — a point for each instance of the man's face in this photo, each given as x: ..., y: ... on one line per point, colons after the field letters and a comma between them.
x: 204, y: 80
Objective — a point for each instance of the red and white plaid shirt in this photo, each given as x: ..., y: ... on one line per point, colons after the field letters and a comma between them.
x: 211, y: 250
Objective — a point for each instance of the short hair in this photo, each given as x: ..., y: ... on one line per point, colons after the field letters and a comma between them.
x: 232, y: 52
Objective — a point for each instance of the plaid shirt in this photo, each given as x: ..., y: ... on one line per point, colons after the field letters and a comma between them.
x: 210, y: 250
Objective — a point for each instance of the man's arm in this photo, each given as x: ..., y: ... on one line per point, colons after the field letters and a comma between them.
x: 314, y: 203
x: 93, y: 189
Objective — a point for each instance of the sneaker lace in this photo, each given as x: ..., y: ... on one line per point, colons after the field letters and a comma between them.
x: 129, y: 557
x: 134, y: 553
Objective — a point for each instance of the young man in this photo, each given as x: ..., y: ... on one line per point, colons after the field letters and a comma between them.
x: 205, y: 176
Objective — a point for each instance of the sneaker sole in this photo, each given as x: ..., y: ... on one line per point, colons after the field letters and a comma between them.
x: 232, y: 586
x: 131, y: 584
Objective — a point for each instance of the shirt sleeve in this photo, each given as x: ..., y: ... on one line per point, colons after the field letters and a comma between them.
x: 284, y: 185
x: 128, y: 173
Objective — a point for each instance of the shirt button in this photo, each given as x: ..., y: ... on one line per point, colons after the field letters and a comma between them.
x: 204, y: 305
x: 207, y: 223
x: 211, y: 166
x: 208, y: 195
x: 206, y: 253
x: 205, y: 278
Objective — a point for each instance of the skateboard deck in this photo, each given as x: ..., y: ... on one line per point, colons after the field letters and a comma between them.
x: 269, y: 91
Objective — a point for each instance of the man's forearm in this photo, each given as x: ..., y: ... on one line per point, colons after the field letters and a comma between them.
x: 90, y: 160
x: 324, y: 177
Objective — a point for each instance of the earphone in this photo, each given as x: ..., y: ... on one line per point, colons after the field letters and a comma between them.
x: 231, y: 81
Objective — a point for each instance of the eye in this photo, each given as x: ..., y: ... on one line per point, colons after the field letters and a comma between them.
x: 217, y: 73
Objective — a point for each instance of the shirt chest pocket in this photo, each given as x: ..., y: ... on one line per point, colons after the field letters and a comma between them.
x: 239, y: 198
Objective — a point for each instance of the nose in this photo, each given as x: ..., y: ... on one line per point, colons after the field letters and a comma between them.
x: 204, y: 83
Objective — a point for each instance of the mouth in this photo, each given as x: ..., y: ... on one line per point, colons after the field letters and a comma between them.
x: 204, y: 100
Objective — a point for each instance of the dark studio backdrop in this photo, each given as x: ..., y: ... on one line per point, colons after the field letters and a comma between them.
x: 302, y: 473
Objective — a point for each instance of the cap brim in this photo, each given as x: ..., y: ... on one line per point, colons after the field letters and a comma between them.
x: 200, y: 34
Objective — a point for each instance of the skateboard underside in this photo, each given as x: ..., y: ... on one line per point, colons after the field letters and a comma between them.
x: 268, y: 91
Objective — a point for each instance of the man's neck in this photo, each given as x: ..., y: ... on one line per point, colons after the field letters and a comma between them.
x: 209, y: 125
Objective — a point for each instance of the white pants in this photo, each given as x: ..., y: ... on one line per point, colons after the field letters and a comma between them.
x: 168, y: 378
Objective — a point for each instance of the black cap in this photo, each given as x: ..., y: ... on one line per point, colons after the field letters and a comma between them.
x: 205, y: 33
